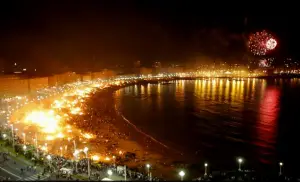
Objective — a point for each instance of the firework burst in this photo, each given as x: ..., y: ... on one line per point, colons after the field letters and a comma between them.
x: 271, y: 44
x: 261, y: 42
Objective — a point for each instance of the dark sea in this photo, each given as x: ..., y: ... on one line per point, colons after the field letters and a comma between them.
x: 219, y: 120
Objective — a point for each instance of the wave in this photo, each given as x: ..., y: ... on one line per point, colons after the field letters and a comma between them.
x: 143, y: 133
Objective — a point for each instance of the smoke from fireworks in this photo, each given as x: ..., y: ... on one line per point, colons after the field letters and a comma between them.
x: 261, y: 42
x: 265, y: 63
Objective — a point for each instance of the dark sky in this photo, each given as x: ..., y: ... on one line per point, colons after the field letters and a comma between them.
x: 92, y: 34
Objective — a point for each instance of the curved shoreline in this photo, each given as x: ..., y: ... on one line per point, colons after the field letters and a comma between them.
x: 139, y: 144
x: 192, y: 81
x: 148, y: 149
x: 139, y: 130
x: 112, y: 90
x: 116, y: 88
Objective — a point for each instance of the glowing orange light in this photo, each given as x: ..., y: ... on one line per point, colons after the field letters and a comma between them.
x: 107, y: 159
x: 88, y: 135
x: 95, y: 158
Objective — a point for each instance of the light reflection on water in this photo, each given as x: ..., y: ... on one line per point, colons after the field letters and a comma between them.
x: 216, y: 119
x: 266, y: 126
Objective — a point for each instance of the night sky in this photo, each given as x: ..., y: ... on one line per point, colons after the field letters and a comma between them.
x: 72, y: 35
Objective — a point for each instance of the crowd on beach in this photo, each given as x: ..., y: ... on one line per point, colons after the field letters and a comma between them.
x: 109, y: 138
x: 99, y: 121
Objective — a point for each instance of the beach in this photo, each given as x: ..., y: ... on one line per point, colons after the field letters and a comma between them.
x: 113, y: 139
x: 131, y: 139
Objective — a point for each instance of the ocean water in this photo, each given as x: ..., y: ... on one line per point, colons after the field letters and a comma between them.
x: 218, y: 120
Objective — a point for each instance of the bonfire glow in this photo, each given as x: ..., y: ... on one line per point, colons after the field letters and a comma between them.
x: 46, y: 120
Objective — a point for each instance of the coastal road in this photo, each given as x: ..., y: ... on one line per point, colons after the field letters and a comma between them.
x: 12, y: 168
x: 4, y: 175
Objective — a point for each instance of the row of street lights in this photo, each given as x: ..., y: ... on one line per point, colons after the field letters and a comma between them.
x: 181, y: 173
x: 76, y: 152
x: 239, y: 160
x: 148, y: 166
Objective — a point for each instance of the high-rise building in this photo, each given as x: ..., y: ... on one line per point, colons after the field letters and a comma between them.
x: 137, y: 64
x: 136, y: 68
x: 157, y: 64
x: 156, y: 67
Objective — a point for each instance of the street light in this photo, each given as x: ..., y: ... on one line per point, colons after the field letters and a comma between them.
x: 60, y: 151
x: 36, y: 145
x: 280, y: 168
x: 240, y: 161
x: 4, y: 135
x: 148, y: 167
x: 109, y: 172
x: 49, y: 159
x: 24, y: 147
x: 181, y: 174
x: 205, y: 169
x: 125, y: 176
x: 12, y: 136
x: 114, y: 158
x: 75, y: 155
x: 148, y: 170
x: 24, y: 136
x: 85, y: 150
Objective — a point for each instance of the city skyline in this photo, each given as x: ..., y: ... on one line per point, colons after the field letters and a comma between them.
x: 97, y: 35
x: 148, y: 91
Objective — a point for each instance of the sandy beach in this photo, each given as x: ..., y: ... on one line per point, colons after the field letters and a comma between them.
x: 114, y: 137
x: 146, y: 148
